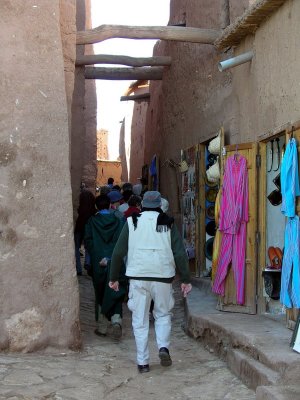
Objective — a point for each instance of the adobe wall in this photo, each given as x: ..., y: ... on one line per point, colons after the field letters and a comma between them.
x: 38, y: 286
x: 89, y: 173
x: 109, y: 169
x: 267, y: 89
x: 194, y: 99
x: 138, y: 137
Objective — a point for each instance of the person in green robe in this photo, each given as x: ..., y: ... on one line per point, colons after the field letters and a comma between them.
x: 101, y: 234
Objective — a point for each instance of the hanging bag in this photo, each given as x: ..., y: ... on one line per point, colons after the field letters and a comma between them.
x: 214, y: 146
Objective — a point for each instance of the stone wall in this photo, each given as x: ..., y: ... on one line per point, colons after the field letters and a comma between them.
x: 38, y: 285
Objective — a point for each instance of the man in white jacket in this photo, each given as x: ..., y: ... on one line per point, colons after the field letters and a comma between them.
x: 154, y: 250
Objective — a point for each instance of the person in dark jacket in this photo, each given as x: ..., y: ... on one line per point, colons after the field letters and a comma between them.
x: 85, y: 210
x: 101, y: 234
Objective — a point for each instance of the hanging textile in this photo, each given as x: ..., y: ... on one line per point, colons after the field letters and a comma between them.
x: 289, y: 179
x: 153, y: 173
x: 290, y: 275
x: 233, y: 223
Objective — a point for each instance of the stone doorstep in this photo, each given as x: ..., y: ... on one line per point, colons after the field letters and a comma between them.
x: 256, y: 348
x: 278, y: 393
x: 252, y: 372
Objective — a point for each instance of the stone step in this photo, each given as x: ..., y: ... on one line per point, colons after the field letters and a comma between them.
x: 278, y: 393
x: 250, y: 371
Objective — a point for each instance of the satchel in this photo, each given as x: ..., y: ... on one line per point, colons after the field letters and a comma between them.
x: 214, y: 146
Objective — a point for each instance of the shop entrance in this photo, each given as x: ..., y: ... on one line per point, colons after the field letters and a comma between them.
x: 229, y: 302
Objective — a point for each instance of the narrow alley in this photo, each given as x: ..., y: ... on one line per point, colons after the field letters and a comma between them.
x: 106, y: 369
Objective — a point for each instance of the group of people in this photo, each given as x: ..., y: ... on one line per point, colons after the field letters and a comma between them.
x: 134, y: 250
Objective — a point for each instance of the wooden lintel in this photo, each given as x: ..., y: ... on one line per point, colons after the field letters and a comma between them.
x: 123, y: 60
x: 143, y: 96
x: 177, y: 33
x: 145, y: 73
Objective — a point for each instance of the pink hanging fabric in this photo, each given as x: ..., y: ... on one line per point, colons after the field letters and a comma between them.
x: 234, y: 212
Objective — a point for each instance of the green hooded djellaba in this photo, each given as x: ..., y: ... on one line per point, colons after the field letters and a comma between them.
x: 101, y: 234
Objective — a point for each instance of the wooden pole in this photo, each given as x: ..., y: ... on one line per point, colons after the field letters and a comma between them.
x: 123, y: 60
x: 143, y: 73
x: 136, y: 97
x: 177, y: 33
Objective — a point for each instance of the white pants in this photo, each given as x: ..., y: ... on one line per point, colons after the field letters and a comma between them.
x: 140, y: 295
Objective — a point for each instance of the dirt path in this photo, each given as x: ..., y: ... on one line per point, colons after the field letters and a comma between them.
x: 106, y: 369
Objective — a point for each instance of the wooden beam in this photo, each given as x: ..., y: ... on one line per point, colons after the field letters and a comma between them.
x: 148, y: 73
x: 136, y: 97
x: 181, y: 34
x: 123, y: 60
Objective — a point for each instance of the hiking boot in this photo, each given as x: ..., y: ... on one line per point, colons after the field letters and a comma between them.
x: 116, y: 331
x: 165, y: 358
x: 143, y: 368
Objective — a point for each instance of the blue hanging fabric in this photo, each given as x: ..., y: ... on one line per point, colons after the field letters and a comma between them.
x: 153, y: 172
x: 289, y: 181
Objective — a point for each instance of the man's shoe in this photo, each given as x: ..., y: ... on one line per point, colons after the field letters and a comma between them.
x: 143, y: 368
x: 165, y: 359
x: 116, y: 331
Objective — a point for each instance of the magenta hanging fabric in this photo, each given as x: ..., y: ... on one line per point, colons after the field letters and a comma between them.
x: 234, y: 215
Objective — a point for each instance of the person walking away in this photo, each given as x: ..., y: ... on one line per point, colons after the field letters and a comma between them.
x: 85, y: 210
x: 134, y: 204
x: 101, y: 234
x: 126, y: 196
x: 154, y: 249
x: 110, y: 182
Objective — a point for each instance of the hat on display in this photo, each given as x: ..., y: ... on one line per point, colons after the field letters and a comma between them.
x: 211, y: 228
x: 211, y: 159
x: 211, y: 195
x: 210, y: 184
x: 208, y: 248
x: 213, y: 172
x: 114, y: 196
x: 210, y: 212
x: 151, y: 199
x: 214, y: 146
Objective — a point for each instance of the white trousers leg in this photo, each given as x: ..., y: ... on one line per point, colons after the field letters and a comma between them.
x: 140, y: 295
x: 162, y: 294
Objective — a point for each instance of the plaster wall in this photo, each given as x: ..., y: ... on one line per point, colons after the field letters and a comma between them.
x: 194, y: 99
x: 267, y: 89
x: 89, y: 173
x: 138, y: 137
x: 39, y: 299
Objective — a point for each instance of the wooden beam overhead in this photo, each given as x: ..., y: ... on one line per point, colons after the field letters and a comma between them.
x: 177, y: 33
x: 123, y: 60
x: 148, y: 73
x: 144, y: 96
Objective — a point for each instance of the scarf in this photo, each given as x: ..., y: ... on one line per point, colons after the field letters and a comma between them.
x: 163, y: 224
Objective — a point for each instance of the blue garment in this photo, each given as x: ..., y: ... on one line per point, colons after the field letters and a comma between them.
x: 153, y: 172
x: 289, y: 179
x: 290, y: 275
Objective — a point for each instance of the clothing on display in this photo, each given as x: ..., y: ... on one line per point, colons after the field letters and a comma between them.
x: 289, y: 179
x: 233, y: 223
x: 290, y: 275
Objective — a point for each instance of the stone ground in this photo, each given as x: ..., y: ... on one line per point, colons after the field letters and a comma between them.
x: 106, y: 369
